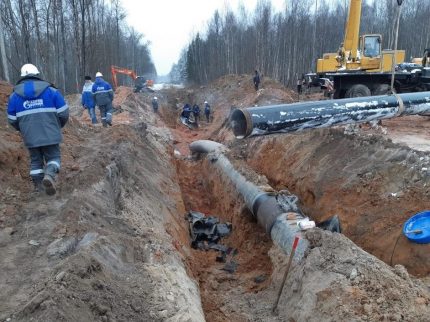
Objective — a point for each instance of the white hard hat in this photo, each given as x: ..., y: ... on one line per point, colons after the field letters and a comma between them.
x: 98, y: 74
x: 155, y: 97
x: 206, y: 102
x: 29, y: 69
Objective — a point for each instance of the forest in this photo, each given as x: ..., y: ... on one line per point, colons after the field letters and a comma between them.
x: 285, y: 44
x: 68, y: 39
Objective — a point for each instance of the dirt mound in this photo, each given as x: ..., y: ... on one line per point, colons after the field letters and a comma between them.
x: 338, y: 281
x: 5, y: 91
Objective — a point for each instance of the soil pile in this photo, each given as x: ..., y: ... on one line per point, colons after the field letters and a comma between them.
x: 338, y: 281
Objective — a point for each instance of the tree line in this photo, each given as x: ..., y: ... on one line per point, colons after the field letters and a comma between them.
x: 68, y: 39
x: 286, y: 44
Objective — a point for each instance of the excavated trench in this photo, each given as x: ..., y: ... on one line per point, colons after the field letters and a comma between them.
x: 204, y: 192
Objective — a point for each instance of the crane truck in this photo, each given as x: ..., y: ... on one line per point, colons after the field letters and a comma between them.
x: 362, y: 68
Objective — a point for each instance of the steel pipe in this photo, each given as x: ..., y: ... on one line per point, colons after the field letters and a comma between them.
x: 319, y: 114
x: 270, y: 209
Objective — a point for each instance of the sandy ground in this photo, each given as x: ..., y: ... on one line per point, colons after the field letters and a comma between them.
x: 113, y: 244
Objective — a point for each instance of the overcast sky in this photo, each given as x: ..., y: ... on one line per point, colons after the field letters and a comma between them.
x: 170, y: 24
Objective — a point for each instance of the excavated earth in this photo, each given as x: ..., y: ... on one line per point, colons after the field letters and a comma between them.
x: 113, y: 244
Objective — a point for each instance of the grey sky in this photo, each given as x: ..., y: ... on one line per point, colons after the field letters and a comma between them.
x: 170, y: 24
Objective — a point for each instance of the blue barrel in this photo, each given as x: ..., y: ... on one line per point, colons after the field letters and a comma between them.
x: 417, y: 228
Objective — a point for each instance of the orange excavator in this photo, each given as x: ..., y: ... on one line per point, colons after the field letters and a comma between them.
x: 140, y: 83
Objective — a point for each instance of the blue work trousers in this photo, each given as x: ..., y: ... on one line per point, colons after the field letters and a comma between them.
x: 92, y: 113
x: 44, y: 157
x: 106, y: 113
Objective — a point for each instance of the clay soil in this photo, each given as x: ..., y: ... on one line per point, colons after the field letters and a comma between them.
x: 113, y: 244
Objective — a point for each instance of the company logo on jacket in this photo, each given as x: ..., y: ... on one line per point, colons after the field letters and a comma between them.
x: 33, y: 104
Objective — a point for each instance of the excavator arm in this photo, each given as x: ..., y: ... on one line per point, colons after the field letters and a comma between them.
x: 118, y: 70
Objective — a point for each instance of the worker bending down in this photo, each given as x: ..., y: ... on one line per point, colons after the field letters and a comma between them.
x: 103, y: 96
x: 38, y: 111
x: 186, y: 112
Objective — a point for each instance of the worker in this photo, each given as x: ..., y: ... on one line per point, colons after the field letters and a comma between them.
x: 186, y: 111
x: 38, y: 110
x: 341, y: 55
x: 196, y: 113
x: 207, y: 111
x: 426, y: 58
x: 256, y: 80
x: 155, y: 104
x: 299, y: 85
x: 88, y: 100
x: 103, y: 96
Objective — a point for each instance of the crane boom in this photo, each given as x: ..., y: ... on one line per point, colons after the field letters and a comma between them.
x: 352, y: 28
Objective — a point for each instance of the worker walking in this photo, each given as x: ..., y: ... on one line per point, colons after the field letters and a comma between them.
x: 155, y: 104
x: 207, y: 111
x: 88, y: 100
x: 38, y: 110
x: 196, y: 113
x: 103, y: 96
x: 256, y: 80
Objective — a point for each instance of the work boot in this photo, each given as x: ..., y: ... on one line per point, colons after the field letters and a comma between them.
x: 38, y: 186
x: 49, y: 179
x: 49, y: 184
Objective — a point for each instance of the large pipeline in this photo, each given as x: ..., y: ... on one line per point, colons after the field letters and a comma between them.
x: 319, y: 114
x: 274, y: 211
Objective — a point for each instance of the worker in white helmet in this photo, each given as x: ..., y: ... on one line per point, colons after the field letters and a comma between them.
x: 38, y: 110
x: 155, y: 104
x: 103, y: 96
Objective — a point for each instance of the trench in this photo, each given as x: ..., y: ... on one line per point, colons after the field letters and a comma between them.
x: 220, y: 290
x: 204, y: 191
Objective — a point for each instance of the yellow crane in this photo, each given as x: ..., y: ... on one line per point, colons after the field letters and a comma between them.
x: 359, y: 52
x: 361, y: 67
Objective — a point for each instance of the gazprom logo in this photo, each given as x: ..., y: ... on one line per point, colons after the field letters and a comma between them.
x: 100, y: 88
x: 33, y: 104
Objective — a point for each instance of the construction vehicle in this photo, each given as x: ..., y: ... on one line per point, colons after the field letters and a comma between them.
x: 140, y: 83
x: 362, y: 68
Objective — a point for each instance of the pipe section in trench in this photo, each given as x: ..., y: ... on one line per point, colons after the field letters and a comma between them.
x: 319, y: 114
x: 277, y: 212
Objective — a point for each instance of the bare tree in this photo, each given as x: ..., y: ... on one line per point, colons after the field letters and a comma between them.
x: 67, y: 39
